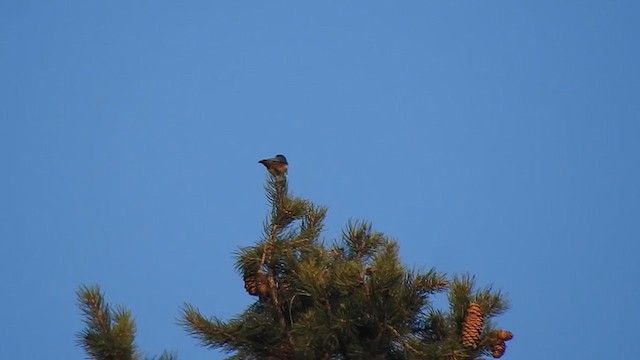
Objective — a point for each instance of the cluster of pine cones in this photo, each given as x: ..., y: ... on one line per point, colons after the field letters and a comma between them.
x: 472, y: 330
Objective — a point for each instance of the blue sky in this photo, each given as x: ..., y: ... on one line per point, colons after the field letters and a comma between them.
x: 495, y: 137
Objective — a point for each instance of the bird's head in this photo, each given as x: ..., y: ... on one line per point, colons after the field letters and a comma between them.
x: 281, y: 158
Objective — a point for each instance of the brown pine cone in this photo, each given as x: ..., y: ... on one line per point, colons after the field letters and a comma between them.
x: 472, y: 326
x: 250, y: 285
x: 256, y: 284
x: 497, y: 349
x: 503, y: 335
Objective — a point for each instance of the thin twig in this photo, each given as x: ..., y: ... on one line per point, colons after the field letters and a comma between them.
x: 406, y: 344
x: 290, y: 306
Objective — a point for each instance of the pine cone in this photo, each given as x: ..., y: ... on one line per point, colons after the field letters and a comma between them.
x: 497, y: 349
x: 256, y: 284
x: 472, y: 326
x: 503, y: 335
x: 250, y: 285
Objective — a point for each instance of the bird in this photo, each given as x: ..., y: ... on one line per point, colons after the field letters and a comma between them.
x: 277, y: 165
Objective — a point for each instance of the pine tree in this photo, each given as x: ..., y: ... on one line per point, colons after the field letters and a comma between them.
x: 352, y: 299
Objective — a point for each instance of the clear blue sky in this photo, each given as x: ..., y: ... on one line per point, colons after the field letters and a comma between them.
x: 496, y: 137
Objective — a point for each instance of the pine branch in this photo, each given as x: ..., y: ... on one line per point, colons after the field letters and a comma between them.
x: 436, y: 327
x: 493, y: 302
x: 210, y: 332
x: 361, y: 242
x: 460, y: 294
x: 406, y: 344
x: 431, y: 282
x: 108, y: 335
x: 312, y: 222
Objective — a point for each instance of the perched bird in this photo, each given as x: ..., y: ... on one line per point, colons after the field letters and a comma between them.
x: 277, y: 165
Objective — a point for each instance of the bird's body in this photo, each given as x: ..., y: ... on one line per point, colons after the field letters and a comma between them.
x: 277, y: 165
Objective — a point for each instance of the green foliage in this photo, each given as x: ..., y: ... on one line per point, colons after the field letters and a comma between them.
x: 108, y: 334
x: 351, y: 300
